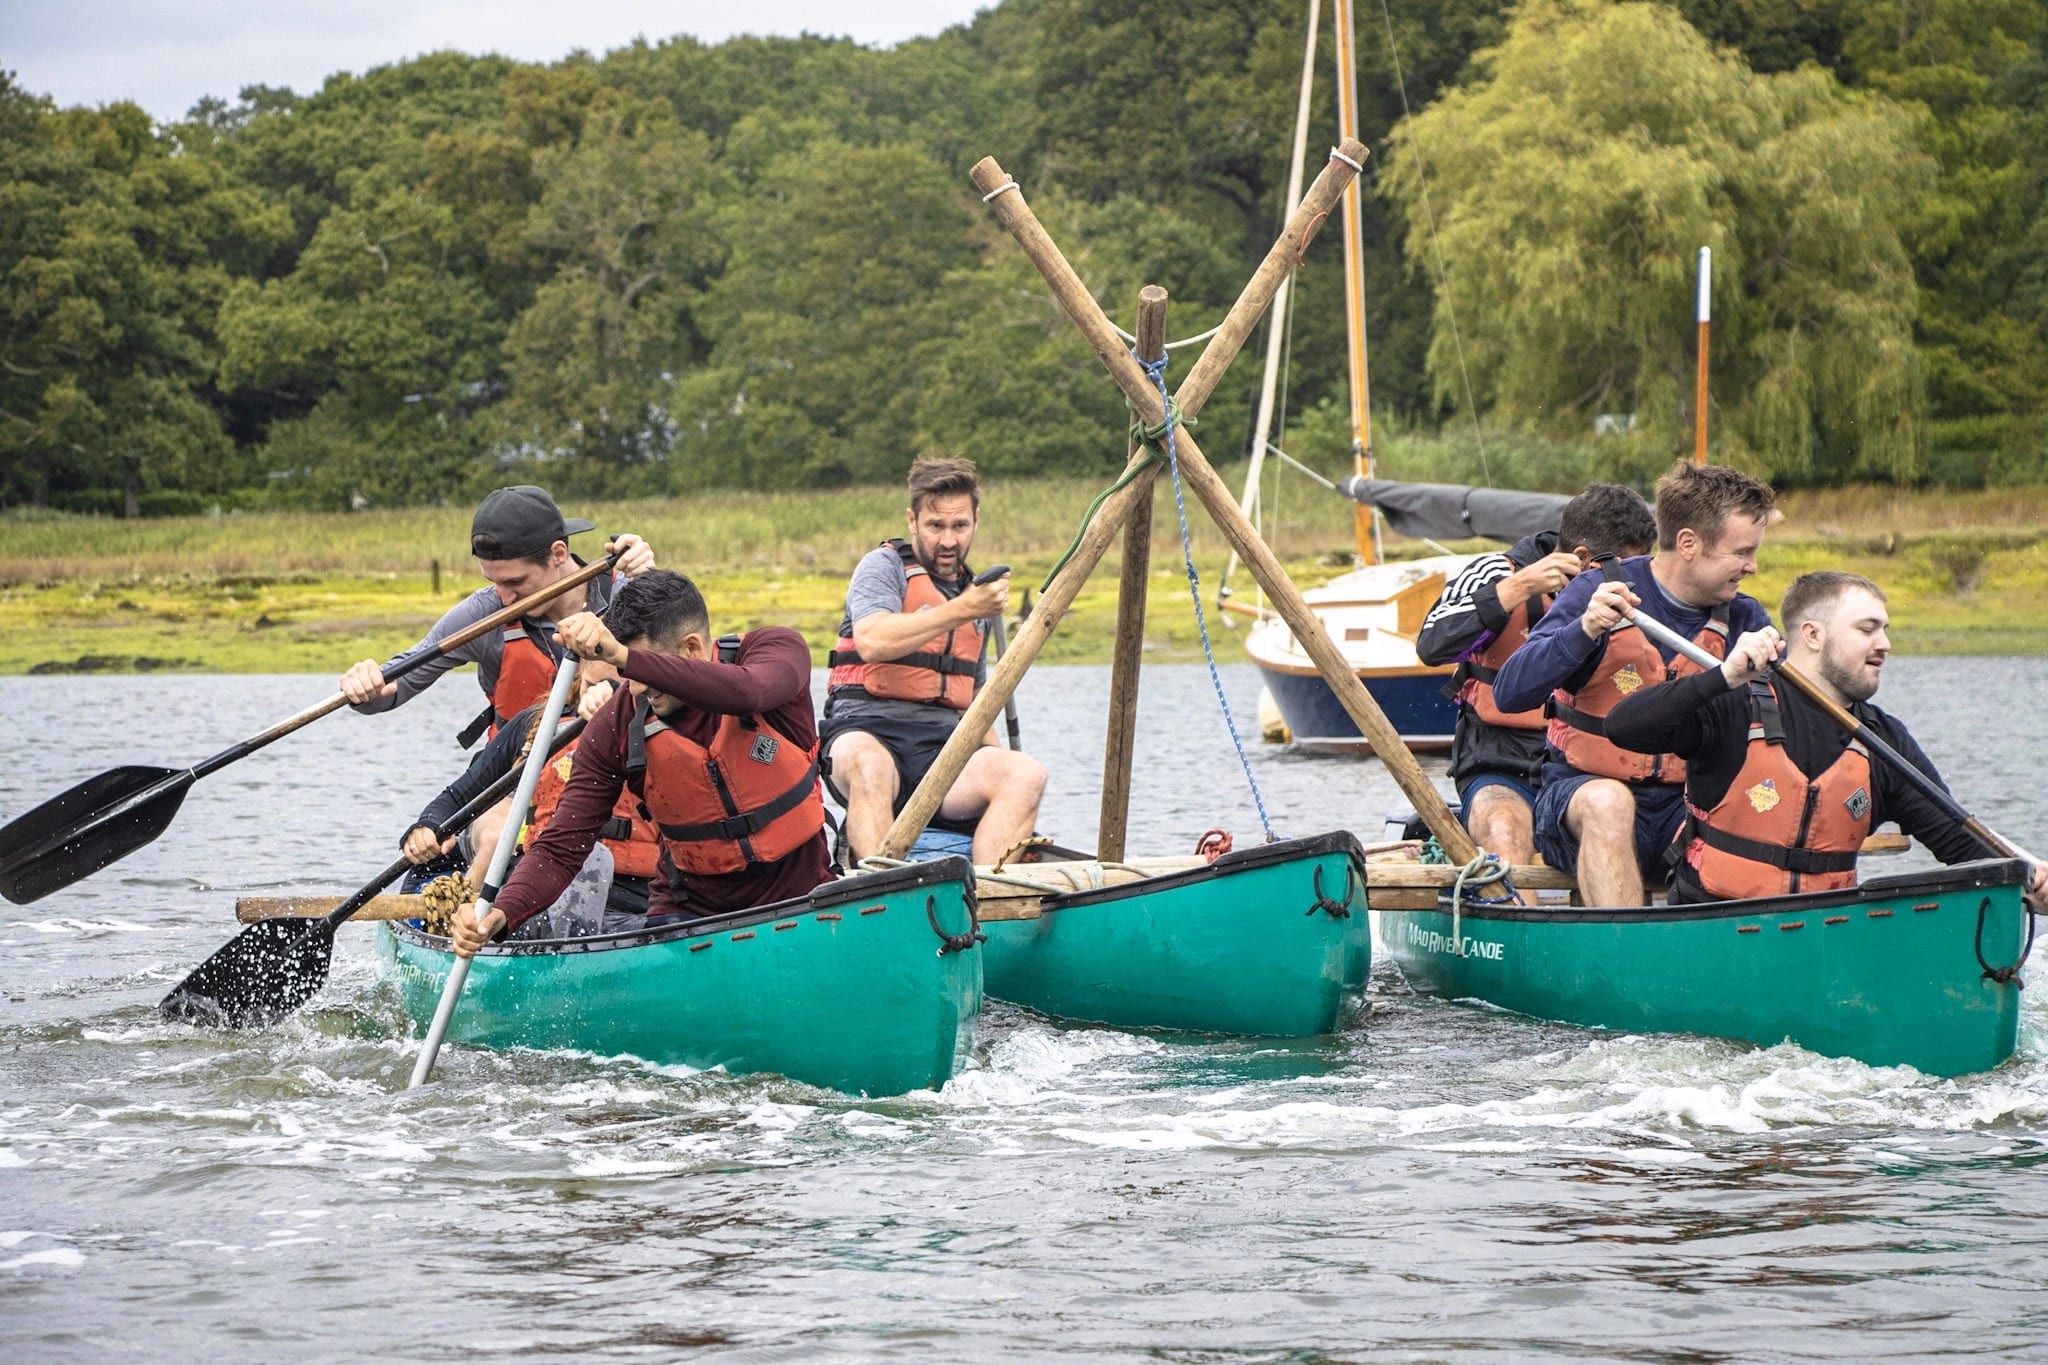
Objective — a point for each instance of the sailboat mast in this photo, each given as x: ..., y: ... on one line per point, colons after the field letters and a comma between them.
x: 1699, y: 416
x: 1366, y: 524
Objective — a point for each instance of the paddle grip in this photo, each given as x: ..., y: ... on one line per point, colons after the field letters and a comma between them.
x: 990, y: 575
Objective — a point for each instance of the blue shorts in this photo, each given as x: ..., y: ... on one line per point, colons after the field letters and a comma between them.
x: 1660, y: 809
x: 1479, y: 782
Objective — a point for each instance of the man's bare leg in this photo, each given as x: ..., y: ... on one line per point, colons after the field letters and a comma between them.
x: 1003, y: 787
x: 1602, y: 817
x: 866, y: 773
x: 1502, y: 823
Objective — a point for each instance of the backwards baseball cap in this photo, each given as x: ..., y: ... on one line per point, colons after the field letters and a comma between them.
x: 520, y: 522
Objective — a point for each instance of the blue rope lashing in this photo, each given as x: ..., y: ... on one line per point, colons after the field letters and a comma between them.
x: 1157, y: 372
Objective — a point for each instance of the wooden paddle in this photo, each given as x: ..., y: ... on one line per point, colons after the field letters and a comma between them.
x: 105, y: 818
x: 501, y: 862
x: 276, y: 965
x: 1998, y: 844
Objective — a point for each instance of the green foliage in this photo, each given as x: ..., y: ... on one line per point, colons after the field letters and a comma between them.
x: 759, y: 264
x: 1602, y: 145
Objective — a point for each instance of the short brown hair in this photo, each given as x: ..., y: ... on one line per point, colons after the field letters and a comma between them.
x: 937, y: 478
x: 1812, y: 594
x: 1703, y: 497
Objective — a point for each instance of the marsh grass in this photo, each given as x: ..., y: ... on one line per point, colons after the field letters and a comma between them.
x: 284, y: 592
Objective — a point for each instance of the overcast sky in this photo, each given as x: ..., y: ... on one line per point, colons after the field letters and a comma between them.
x: 166, y: 54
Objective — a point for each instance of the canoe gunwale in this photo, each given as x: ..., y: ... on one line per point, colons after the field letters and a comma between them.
x: 1981, y: 874
x: 1243, y: 860
x: 844, y: 891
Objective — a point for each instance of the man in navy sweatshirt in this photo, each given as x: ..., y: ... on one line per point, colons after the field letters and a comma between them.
x: 1604, y: 813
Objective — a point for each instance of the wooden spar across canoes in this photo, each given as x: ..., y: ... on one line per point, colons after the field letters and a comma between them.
x: 1009, y: 894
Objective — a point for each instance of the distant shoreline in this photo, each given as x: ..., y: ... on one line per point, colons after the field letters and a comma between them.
x: 312, y: 592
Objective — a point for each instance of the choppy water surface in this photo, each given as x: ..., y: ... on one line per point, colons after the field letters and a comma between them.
x: 1435, y: 1182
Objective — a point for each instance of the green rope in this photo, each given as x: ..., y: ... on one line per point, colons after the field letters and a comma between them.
x: 1151, y: 437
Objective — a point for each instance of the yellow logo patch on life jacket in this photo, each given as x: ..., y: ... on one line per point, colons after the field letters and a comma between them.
x: 1626, y: 679
x: 562, y: 767
x: 1763, y: 796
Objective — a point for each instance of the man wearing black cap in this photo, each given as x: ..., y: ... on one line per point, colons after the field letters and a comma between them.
x: 520, y: 540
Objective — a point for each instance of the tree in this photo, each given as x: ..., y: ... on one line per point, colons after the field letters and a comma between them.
x: 1603, y: 144
x: 625, y: 213
x: 119, y: 247
x: 837, y: 253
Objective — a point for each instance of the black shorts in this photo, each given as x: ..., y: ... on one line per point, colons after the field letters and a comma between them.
x: 914, y: 745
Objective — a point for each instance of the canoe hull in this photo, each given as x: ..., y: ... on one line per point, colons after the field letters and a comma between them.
x: 846, y: 989
x: 1237, y: 946
x: 1886, y: 973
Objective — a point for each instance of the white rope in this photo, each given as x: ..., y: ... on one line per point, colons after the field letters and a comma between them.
x: 1130, y: 340
x: 1001, y: 189
x: 1336, y: 155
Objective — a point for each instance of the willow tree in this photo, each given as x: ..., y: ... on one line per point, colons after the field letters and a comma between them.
x: 1568, y: 189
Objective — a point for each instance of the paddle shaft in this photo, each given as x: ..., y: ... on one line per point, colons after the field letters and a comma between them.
x: 501, y: 862
x: 1998, y: 844
x: 456, y: 823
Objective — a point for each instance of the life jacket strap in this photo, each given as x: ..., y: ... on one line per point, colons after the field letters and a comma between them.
x: 937, y: 663
x: 734, y: 828
x: 1800, y: 860
x: 617, y: 828
x: 1577, y: 719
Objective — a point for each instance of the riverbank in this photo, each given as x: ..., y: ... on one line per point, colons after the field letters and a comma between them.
x: 307, y: 592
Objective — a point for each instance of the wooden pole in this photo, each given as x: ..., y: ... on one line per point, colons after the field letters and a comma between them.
x: 1008, y: 202
x: 1365, y: 526
x: 1699, y: 415
x: 1113, y: 823
x: 1197, y: 474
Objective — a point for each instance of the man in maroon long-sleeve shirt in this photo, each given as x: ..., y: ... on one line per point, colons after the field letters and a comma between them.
x: 669, y: 658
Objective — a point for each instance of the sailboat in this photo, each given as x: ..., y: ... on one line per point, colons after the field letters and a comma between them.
x: 1374, y: 613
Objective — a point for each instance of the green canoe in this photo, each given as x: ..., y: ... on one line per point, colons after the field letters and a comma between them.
x: 1898, y: 971
x: 869, y: 985
x: 1267, y: 940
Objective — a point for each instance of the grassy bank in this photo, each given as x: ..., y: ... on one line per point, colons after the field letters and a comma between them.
x: 1968, y: 572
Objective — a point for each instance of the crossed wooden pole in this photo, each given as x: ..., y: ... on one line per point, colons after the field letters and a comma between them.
x: 1121, y: 513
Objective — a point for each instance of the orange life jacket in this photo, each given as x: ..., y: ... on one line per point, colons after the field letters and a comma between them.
x: 1477, y: 673
x: 1774, y: 832
x: 1631, y: 661
x: 526, y: 672
x: 750, y: 796
x: 632, y: 838
x: 940, y: 671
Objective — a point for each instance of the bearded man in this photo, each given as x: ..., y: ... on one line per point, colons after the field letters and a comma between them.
x: 1778, y: 797
x: 908, y: 663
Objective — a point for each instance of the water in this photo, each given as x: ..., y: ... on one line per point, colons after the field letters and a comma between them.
x: 1436, y: 1182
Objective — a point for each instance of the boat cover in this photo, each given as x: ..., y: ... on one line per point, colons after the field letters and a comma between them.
x: 1453, y: 511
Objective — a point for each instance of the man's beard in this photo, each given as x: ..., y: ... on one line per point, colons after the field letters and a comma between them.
x: 929, y: 557
x: 1848, y: 680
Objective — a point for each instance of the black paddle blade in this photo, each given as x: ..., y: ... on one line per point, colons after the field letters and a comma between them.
x: 97, y: 822
x: 267, y: 972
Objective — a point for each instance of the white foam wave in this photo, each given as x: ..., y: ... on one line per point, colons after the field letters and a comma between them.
x: 56, y: 1258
